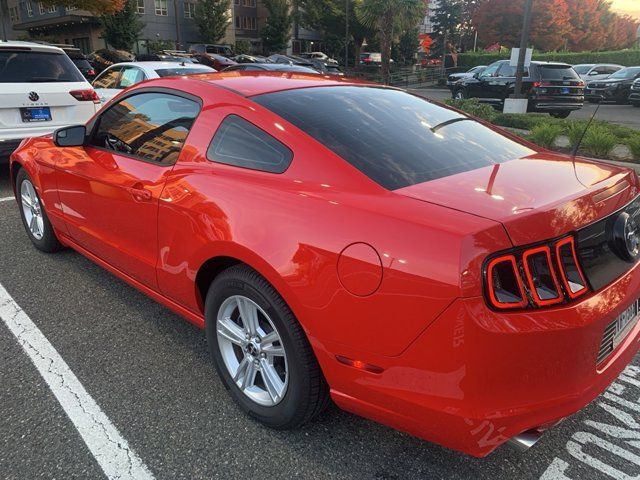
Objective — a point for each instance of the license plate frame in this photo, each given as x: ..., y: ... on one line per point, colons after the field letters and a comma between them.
x: 625, y: 322
x: 35, y: 114
x: 565, y: 91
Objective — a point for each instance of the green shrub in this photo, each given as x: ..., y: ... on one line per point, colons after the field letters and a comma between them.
x: 473, y: 107
x: 634, y: 146
x: 574, y: 130
x: 599, y: 141
x: 545, y: 134
x: 623, y: 57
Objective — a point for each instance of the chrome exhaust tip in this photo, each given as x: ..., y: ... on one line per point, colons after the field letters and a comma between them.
x: 526, y: 440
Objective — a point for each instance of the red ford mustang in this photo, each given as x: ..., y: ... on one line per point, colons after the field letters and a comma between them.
x: 346, y: 241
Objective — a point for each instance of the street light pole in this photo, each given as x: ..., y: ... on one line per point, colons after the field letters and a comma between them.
x: 524, y: 40
x: 346, y: 34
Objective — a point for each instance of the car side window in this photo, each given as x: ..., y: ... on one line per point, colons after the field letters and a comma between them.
x: 491, y: 70
x: 150, y: 126
x: 507, y: 70
x: 130, y: 76
x: 240, y: 143
x: 108, y: 79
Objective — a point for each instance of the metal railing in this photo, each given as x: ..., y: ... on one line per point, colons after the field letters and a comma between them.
x: 404, y: 77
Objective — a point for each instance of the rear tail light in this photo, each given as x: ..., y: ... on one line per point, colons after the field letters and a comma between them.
x: 89, y: 95
x: 535, y: 277
x: 91, y: 72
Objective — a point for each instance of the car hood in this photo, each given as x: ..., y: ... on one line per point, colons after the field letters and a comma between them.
x: 536, y: 198
x: 607, y: 80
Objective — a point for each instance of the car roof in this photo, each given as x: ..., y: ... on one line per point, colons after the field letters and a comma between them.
x: 35, y: 47
x: 158, y: 65
x: 250, y: 83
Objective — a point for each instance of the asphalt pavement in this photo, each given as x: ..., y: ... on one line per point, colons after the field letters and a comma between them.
x: 625, y: 115
x: 149, y: 372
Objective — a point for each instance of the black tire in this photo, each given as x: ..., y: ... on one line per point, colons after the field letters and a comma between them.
x: 636, y: 104
x: 460, y: 94
x: 560, y: 114
x: 49, y: 242
x: 307, y: 393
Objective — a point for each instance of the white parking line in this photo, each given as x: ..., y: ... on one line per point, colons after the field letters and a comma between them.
x: 110, y: 449
x: 6, y: 199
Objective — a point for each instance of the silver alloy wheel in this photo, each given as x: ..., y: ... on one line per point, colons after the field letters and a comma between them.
x: 32, y: 209
x: 252, y: 350
x: 459, y: 95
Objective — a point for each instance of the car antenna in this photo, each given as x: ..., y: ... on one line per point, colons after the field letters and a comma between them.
x: 577, y: 146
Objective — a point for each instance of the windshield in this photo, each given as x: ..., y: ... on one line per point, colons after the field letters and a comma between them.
x: 582, y: 69
x: 34, y: 67
x: 394, y: 138
x: 625, y: 73
x: 171, y: 72
x: 558, y: 72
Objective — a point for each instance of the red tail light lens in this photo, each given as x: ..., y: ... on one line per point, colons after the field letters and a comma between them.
x: 89, y: 95
x: 570, y: 271
x: 543, y: 283
x: 505, y: 287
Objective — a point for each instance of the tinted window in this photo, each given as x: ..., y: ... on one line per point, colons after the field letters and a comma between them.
x: 130, y: 76
x: 394, y: 138
x: 173, y: 72
x: 509, y: 71
x: 152, y: 126
x: 491, y: 70
x: 558, y: 72
x: 34, y: 67
x: 583, y: 69
x: 108, y: 79
x: 242, y: 144
x: 82, y: 63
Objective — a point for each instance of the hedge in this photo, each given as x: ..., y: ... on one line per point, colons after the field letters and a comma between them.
x: 627, y: 58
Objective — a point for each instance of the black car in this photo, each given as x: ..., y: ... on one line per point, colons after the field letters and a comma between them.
x: 615, y: 88
x: 269, y: 67
x: 454, y: 77
x: 553, y: 88
x: 634, y: 98
x: 82, y: 63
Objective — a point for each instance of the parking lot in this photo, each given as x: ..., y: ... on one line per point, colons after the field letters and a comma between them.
x: 625, y: 115
x: 150, y: 374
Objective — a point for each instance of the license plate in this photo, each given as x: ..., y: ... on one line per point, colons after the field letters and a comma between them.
x: 566, y: 91
x: 36, y: 114
x: 625, y: 323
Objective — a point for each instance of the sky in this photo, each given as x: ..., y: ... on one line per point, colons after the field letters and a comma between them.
x: 632, y: 7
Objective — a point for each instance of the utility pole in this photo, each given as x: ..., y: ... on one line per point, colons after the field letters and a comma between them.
x: 346, y: 34
x: 524, y: 41
x: 3, y: 13
x: 175, y: 9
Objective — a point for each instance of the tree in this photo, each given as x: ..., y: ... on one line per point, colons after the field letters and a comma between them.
x: 388, y: 17
x: 408, y: 45
x: 94, y: 6
x: 122, y: 28
x: 277, y: 31
x: 212, y: 19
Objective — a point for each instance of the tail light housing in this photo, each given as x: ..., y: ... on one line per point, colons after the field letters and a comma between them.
x: 535, y: 277
x: 88, y: 95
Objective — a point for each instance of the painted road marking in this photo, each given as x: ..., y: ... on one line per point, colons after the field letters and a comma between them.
x: 6, y: 199
x: 110, y: 449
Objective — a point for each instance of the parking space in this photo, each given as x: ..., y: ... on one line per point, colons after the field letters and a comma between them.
x: 149, y: 372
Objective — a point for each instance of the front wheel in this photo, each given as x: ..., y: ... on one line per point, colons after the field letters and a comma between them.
x: 560, y: 114
x: 460, y: 94
x: 261, y: 352
x: 34, y: 217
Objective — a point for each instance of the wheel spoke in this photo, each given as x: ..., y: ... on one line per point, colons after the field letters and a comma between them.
x: 270, y: 338
x: 273, y: 351
x: 33, y: 225
x: 249, y: 377
x: 26, y: 200
x: 249, y: 315
x: 241, y: 369
x: 228, y: 329
x: 271, y: 380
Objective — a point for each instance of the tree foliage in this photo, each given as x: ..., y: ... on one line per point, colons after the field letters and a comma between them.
x: 94, y: 6
x: 212, y: 19
x: 122, y: 28
x: 276, y: 32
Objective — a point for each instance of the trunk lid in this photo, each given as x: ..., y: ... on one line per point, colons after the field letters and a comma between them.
x: 536, y: 198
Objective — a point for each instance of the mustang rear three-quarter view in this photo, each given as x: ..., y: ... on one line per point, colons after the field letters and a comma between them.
x: 345, y: 241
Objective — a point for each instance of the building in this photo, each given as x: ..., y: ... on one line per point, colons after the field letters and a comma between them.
x: 427, y: 27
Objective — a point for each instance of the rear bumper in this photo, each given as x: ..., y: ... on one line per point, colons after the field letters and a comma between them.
x: 543, y: 103
x: 476, y: 378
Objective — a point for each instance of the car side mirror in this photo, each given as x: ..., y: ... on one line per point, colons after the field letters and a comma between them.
x: 73, y: 136
x: 593, y: 73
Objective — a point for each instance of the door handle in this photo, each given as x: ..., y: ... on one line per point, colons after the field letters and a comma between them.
x: 139, y: 193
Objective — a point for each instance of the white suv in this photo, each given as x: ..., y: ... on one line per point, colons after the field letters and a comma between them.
x: 40, y: 90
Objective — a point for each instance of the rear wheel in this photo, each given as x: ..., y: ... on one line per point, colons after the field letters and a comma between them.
x: 34, y: 217
x: 560, y: 114
x: 261, y: 352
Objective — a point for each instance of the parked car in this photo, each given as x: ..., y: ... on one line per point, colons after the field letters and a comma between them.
x: 165, y: 57
x: 353, y: 241
x: 634, y: 98
x: 124, y: 75
x: 207, y: 55
x: 553, y: 88
x: 289, y: 60
x: 593, y: 71
x: 41, y: 90
x: 249, y: 59
x: 454, y: 77
x: 269, y: 67
x: 327, y: 68
x: 318, y: 56
x: 101, y: 59
x: 80, y: 61
x: 615, y: 88
x: 206, y: 49
x: 368, y: 58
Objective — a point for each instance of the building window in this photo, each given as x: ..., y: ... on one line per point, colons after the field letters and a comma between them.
x: 249, y: 3
x: 247, y: 23
x: 70, y: 9
x: 236, y: 2
x: 140, y: 6
x: 237, y: 21
x: 13, y: 14
x: 41, y: 8
x: 52, y: 9
x: 161, y: 8
x: 29, y: 9
x: 189, y: 10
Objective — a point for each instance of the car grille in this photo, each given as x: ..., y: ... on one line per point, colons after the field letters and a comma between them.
x: 606, y: 346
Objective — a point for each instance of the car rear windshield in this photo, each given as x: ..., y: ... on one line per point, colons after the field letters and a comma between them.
x: 394, y: 138
x: 558, y: 72
x: 172, y: 72
x: 33, y: 67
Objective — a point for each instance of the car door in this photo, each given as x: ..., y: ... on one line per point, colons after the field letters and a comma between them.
x: 106, y: 84
x: 505, y: 83
x: 109, y: 190
x: 482, y: 87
